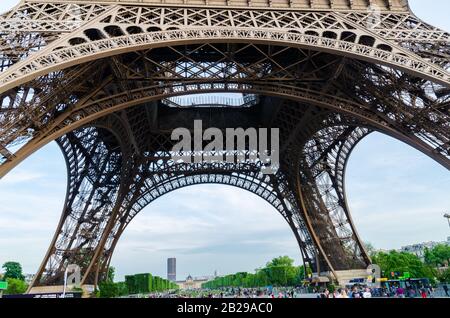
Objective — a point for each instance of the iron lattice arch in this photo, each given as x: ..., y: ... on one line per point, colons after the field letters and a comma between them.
x: 110, y: 81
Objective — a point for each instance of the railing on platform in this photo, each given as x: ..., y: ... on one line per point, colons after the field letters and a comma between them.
x: 206, y: 100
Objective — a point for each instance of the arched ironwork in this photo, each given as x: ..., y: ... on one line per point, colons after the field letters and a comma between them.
x: 103, y: 78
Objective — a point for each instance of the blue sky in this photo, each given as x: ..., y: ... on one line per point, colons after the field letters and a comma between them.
x: 397, y: 196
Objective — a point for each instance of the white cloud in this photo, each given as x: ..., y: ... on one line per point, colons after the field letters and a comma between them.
x: 207, y: 221
x: 400, y: 203
x: 20, y: 177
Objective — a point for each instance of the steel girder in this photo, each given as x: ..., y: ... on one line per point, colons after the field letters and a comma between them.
x: 416, y: 111
x: 97, y: 213
x: 98, y: 69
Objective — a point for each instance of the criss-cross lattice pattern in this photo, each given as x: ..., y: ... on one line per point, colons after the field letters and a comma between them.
x: 110, y: 81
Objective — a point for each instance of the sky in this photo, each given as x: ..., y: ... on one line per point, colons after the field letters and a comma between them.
x: 397, y: 197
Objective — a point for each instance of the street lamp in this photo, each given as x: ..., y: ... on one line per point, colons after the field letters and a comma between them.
x: 447, y: 216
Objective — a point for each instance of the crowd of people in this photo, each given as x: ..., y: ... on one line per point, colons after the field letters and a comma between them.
x: 356, y: 291
x: 234, y: 293
x: 254, y: 293
x: 392, y: 291
x: 267, y: 293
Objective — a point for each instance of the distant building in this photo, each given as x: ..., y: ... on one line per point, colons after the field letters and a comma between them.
x: 172, y: 269
x: 420, y: 248
x: 193, y: 282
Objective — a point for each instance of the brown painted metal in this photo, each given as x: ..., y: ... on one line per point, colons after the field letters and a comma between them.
x: 104, y: 80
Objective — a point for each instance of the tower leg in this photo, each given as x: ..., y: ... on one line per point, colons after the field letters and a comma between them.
x: 96, y: 187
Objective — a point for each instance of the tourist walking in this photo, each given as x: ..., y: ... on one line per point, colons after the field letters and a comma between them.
x: 430, y: 291
x: 400, y: 292
x: 423, y: 292
x: 367, y: 293
x: 337, y: 293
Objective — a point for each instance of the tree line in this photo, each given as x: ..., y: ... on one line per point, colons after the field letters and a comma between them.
x: 146, y: 283
x: 13, y: 275
x: 281, y: 272
x: 434, y: 265
x: 133, y: 284
x: 278, y: 272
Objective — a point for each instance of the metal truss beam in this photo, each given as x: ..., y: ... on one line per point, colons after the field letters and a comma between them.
x: 109, y: 80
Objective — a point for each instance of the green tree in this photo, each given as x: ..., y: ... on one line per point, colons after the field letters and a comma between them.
x: 278, y: 272
x: 403, y: 262
x: 16, y: 286
x: 444, y: 277
x: 13, y: 270
x: 303, y: 273
x: 131, y: 284
x: 122, y: 289
x: 108, y: 289
x: 111, y: 274
x: 281, y: 261
x: 438, y: 256
x: 281, y: 271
